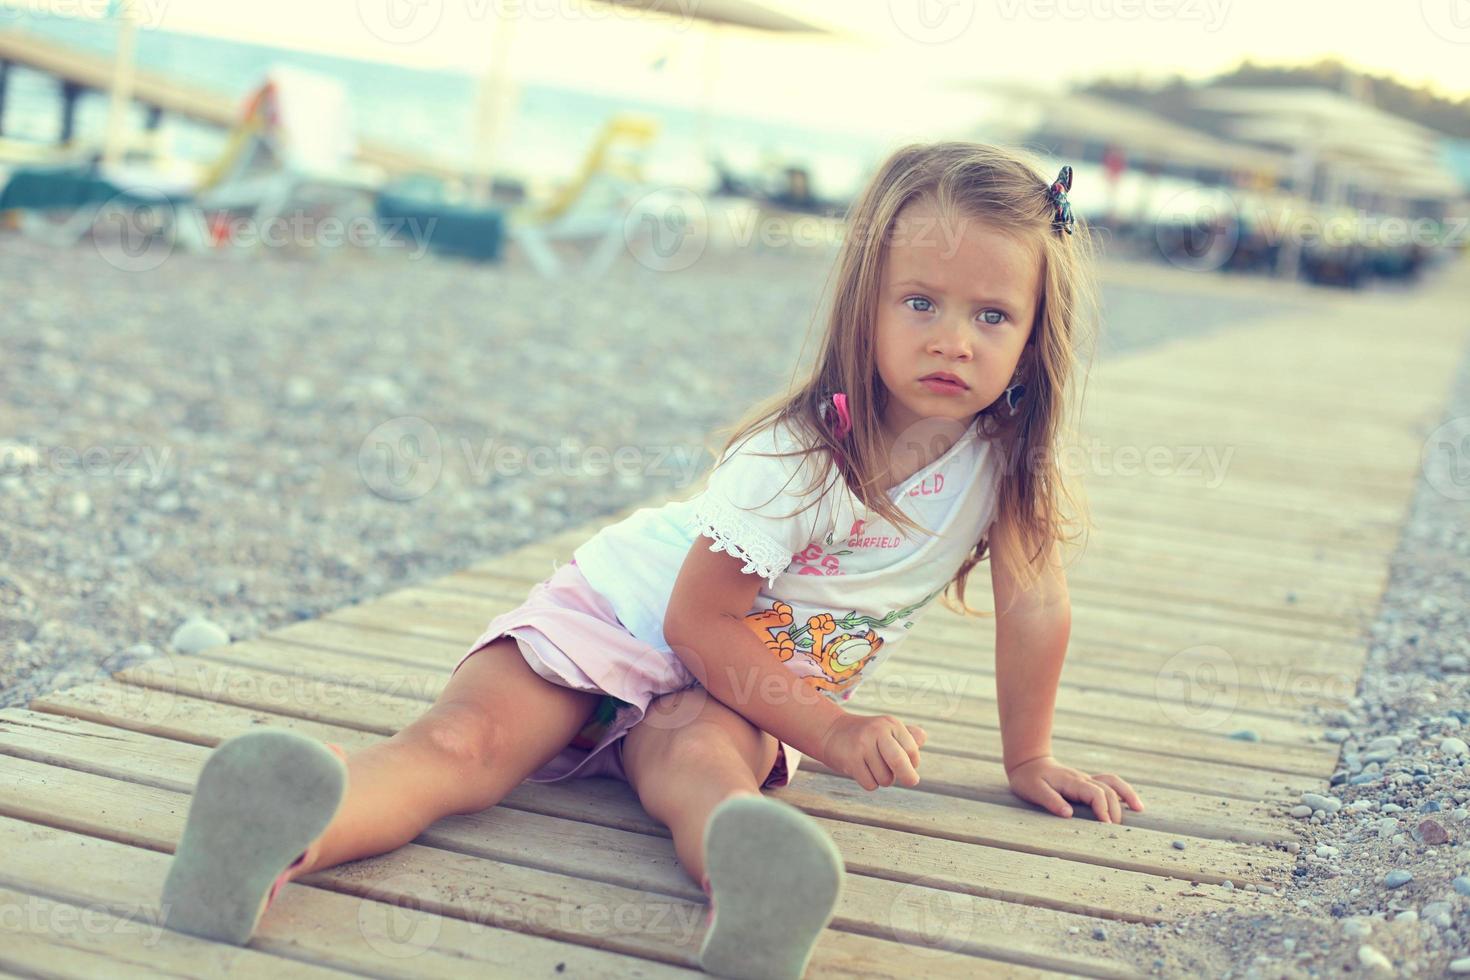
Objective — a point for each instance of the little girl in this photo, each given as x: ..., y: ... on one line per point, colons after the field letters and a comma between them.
x: 701, y: 649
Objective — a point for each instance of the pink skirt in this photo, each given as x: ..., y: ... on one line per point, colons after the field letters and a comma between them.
x: 568, y: 633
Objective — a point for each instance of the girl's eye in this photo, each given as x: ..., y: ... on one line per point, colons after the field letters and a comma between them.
x: 987, y: 314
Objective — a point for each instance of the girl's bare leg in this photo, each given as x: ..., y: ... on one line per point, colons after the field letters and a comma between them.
x: 697, y: 765
x: 683, y: 763
x: 496, y: 722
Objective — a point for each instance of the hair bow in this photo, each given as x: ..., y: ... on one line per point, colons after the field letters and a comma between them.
x: 1057, y: 194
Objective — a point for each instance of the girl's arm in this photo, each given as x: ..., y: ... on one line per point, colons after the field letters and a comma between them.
x: 1032, y: 629
x: 705, y: 627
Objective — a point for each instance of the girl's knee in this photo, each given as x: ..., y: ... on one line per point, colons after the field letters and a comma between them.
x: 460, y: 734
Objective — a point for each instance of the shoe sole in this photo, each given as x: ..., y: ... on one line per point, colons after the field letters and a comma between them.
x: 775, y: 877
x: 262, y: 798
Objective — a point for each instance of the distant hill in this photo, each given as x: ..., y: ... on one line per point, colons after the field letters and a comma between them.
x: 1172, y: 99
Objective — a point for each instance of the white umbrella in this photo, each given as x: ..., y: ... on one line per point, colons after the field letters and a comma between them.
x: 497, y: 99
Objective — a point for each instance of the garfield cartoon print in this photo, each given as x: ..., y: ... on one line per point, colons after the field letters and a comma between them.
x: 832, y: 651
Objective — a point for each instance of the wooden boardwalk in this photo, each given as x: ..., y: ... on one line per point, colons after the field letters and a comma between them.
x: 1203, y: 606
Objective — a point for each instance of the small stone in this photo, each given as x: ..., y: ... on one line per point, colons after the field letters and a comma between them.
x: 1178, y: 845
x: 1245, y: 735
x: 197, y: 633
x: 1338, y: 735
x: 1356, y: 927
x: 1408, y: 915
x: 1317, y: 801
x: 1397, y: 877
x: 1435, y: 909
x: 1379, y: 755
x: 80, y: 505
x: 1461, y: 965
x: 1453, y: 746
x: 1372, y: 959
x: 1454, y: 662
x: 1391, y: 743
x: 1229, y: 886
x: 1100, y: 934
x: 1300, y: 810
x: 1462, y: 884
x: 1430, y: 832
x: 1326, y: 851
x: 1387, y: 826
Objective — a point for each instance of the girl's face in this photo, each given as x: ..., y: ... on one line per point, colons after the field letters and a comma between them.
x: 957, y: 296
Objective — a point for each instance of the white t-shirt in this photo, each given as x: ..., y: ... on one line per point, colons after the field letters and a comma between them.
x: 842, y: 587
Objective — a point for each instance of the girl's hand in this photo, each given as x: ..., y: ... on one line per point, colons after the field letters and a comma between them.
x: 1045, y: 782
x: 874, y: 749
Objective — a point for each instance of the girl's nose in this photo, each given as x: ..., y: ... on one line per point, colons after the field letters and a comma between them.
x: 950, y: 340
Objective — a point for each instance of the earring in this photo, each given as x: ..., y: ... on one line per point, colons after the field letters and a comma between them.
x: 1013, y: 396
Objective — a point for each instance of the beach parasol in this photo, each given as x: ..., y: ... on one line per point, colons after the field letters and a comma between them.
x: 497, y: 99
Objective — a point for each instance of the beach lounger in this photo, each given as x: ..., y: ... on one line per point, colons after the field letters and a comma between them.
x: 597, y: 205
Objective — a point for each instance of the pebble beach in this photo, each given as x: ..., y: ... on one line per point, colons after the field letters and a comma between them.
x: 203, y: 452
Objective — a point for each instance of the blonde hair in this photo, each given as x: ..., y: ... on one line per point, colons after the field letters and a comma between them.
x: 1003, y: 188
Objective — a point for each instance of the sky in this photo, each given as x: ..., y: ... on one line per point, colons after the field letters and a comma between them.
x: 891, y: 55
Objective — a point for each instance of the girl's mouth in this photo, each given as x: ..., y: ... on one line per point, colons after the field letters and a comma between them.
x: 942, y: 387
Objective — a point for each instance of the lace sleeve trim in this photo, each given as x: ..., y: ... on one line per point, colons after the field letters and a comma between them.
x: 734, y: 534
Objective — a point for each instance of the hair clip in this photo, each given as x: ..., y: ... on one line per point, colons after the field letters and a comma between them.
x: 836, y: 414
x: 1057, y: 194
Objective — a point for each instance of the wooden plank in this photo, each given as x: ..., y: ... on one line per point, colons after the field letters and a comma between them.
x: 1167, y: 810
x: 44, y: 937
x: 641, y: 858
x: 1322, y: 674
x: 606, y: 917
x: 169, y: 680
x: 1085, y: 840
x: 410, y: 619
